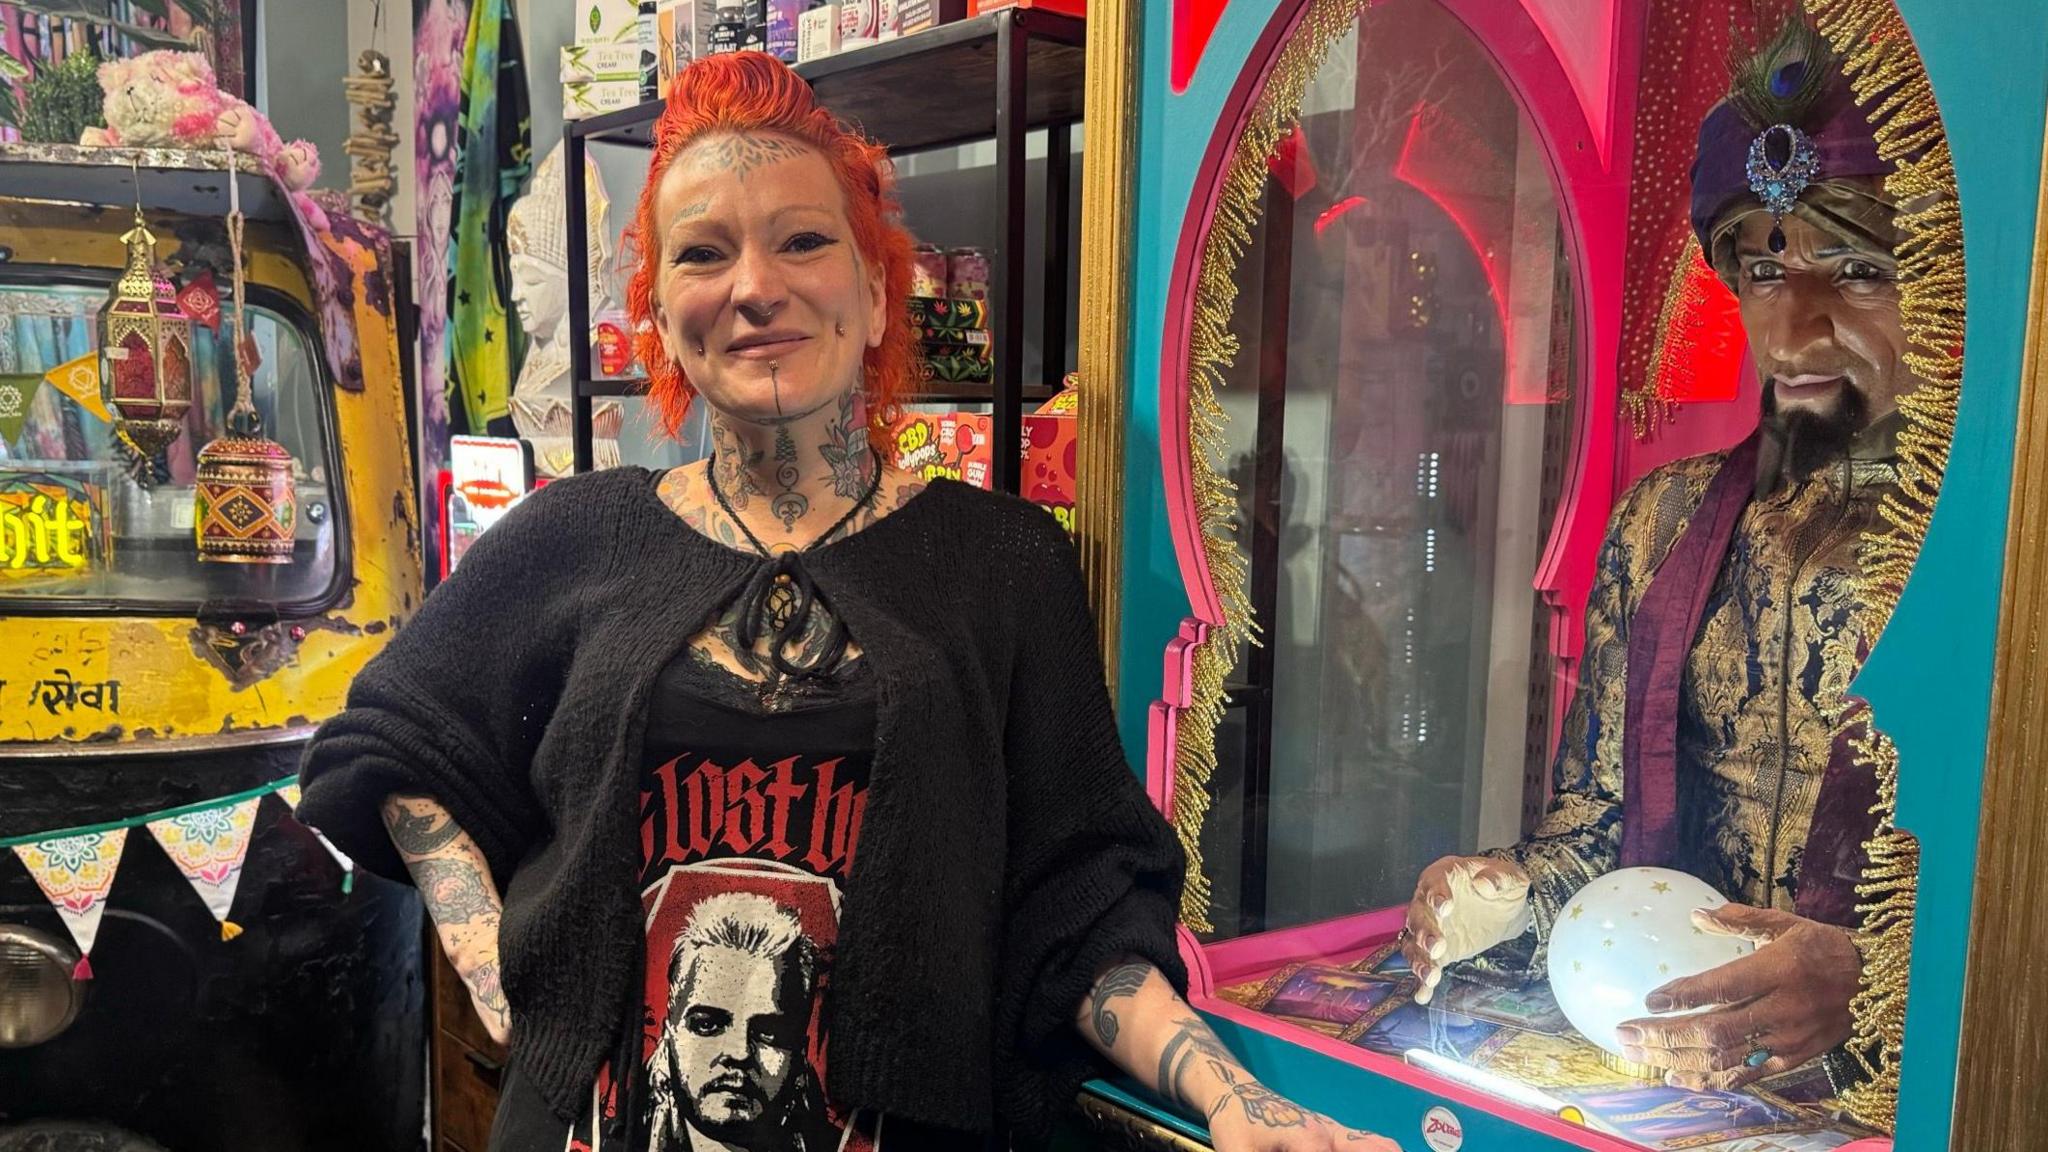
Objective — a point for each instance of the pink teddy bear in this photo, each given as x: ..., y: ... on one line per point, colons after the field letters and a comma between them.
x: 168, y: 99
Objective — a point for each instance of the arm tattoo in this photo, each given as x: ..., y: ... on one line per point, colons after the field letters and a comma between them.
x: 483, y: 979
x: 419, y: 829
x: 1119, y: 983
x: 1191, y: 1040
x: 1262, y: 1106
x: 453, y: 889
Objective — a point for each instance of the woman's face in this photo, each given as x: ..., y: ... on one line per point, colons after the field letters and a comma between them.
x: 761, y: 296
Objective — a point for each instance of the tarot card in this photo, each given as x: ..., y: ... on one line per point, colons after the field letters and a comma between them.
x: 1532, y: 1009
x: 1328, y: 995
x: 1789, y: 1142
x: 1385, y: 960
x: 1674, y: 1118
x: 1431, y: 1028
x: 1545, y: 1061
x: 1806, y: 1084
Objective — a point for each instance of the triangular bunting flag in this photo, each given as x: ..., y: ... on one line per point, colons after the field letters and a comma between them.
x: 76, y: 873
x: 208, y: 847
x: 290, y: 795
x: 17, y: 392
x: 80, y: 380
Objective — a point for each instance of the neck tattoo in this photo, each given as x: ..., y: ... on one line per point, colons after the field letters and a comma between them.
x: 789, y: 504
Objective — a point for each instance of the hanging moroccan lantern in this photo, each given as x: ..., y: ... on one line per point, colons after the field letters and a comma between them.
x: 145, y: 349
x: 244, y: 502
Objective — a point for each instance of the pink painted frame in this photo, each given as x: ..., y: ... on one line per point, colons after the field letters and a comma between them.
x: 1592, y: 184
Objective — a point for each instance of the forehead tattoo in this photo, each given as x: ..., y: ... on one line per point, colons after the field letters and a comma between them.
x: 742, y: 152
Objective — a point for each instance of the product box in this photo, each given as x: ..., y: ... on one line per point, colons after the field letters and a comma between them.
x: 782, y: 28
x: 607, y: 22
x: 817, y: 33
x: 953, y: 445
x: 590, y: 62
x: 970, y: 337
x: 682, y: 33
x: 859, y: 23
x: 1076, y: 8
x: 1050, y: 451
x: 581, y: 98
x: 945, y: 312
x: 957, y: 364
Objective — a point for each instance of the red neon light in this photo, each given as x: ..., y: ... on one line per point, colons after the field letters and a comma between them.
x: 1335, y: 212
x: 1424, y: 154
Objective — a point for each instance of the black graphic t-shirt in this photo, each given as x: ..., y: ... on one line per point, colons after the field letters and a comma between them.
x: 749, y: 823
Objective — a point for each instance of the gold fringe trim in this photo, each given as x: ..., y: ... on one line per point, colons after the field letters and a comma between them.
x: 1211, y: 350
x: 1884, y: 69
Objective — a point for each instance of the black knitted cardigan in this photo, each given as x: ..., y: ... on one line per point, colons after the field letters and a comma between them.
x: 1007, y: 851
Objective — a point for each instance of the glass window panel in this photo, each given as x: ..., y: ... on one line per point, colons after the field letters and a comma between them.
x: 151, y: 561
x: 1399, y: 421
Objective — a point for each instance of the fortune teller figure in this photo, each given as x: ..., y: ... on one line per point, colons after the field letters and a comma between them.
x: 1723, y: 627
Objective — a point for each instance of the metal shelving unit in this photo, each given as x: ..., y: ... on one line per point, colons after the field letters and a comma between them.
x: 998, y: 75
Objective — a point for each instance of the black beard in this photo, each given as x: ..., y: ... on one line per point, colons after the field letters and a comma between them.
x: 1801, y: 442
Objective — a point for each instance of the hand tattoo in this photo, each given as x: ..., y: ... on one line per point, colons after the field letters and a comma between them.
x: 418, y: 827
x: 453, y: 889
x: 1119, y: 983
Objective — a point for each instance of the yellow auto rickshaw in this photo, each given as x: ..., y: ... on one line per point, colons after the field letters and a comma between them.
x: 197, y: 552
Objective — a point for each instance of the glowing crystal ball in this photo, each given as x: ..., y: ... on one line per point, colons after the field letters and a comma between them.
x: 1625, y: 935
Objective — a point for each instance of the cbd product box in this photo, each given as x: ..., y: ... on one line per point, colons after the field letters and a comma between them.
x: 817, y: 33
x: 607, y: 22
x: 958, y: 364
x: 581, y: 98
x: 944, y: 312
x: 589, y: 62
x: 682, y: 33
x: 1050, y: 451
x: 952, y: 445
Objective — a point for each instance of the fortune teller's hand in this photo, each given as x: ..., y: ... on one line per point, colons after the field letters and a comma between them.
x: 1463, y: 905
x: 1767, y: 1012
x: 1252, y: 1118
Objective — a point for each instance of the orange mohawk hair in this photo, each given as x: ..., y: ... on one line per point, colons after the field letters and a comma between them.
x: 755, y: 92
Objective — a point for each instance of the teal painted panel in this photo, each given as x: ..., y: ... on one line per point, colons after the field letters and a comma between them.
x: 1929, y: 680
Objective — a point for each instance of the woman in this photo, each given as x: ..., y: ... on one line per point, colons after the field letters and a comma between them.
x: 629, y: 752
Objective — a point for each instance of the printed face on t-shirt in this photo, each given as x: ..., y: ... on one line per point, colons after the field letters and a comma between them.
x: 735, y: 1035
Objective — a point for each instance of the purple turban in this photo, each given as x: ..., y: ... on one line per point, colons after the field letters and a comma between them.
x: 1839, y: 129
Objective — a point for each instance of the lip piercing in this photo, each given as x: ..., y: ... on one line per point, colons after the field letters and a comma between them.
x: 838, y: 328
x: 700, y: 347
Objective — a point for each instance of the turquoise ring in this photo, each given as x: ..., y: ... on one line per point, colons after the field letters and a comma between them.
x: 1758, y: 1057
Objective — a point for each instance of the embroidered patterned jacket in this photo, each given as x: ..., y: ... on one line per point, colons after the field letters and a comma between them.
x: 1765, y: 682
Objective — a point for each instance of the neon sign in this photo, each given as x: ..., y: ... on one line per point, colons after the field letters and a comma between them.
x: 50, y: 525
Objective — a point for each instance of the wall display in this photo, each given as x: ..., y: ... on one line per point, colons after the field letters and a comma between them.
x: 1528, y: 619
